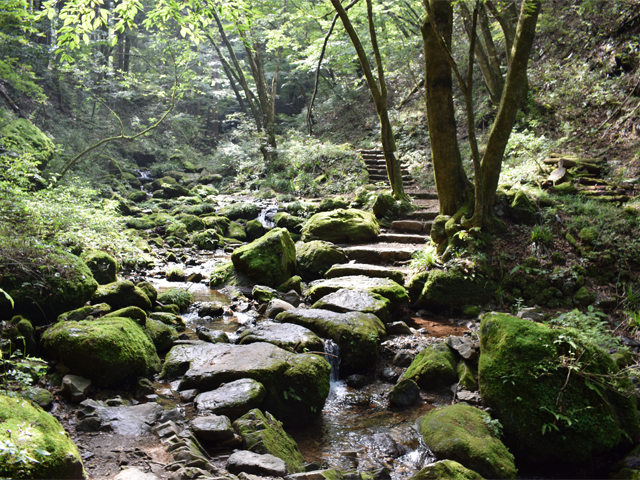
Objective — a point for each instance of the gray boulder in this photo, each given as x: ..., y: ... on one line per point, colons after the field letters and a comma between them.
x: 284, y: 335
x: 347, y: 300
x: 255, y: 464
x: 232, y: 399
x: 212, y: 428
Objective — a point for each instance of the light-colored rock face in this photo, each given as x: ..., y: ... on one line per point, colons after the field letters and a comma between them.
x: 284, y: 335
x: 232, y: 399
x: 296, y: 384
x: 212, y: 428
x: 366, y: 270
x: 357, y: 334
x: 342, y: 225
x: 389, y: 289
x: 256, y: 464
x: 346, y: 300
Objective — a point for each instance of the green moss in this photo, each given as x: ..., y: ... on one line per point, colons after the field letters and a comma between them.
x: 254, y: 229
x: 385, y: 206
x: 236, y: 231
x: 102, y: 265
x: 270, y: 260
x: 435, y: 366
x: 30, y: 428
x: 342, y: 225
x: 314, y: 258
x: 105, y: 351
x: 84, y: 312
x: 149, y: 290
x: 22, y: 137
x: 453, y: 288
x: 263, y: 294
x: 163, y: 335
x: 191, y: 222
x: 207, y: 240
x: 583, y: 297
x: 288, y: 221
x: 389, y: 289
x: 459, y: 432
x: 446, y: 470
x: 546, y: 413
x: 216, y: 222
x: 263, y: 434
x: 467, y: 375
x: 522, y: 209
x: 170, y: 319
x: 134, y: 313
x: 294, y: 283
x: 589, y: 235
x: 120, y: 294
x: 247, y: 211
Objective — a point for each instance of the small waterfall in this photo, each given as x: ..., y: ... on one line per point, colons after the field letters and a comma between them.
x: 266, y: 216
x: 333, y: 357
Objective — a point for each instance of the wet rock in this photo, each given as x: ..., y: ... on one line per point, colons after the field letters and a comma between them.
x: 75, y: 388
x: 276, y: 306
x: 212, y: 428
x: 435, y: 366
x: 357, y: 381
x: 314, y: 258
x: 346, y: 300
x: 342, y: 225
x: 30, y: 428
x: 389, y: 289
x: 398, y: 328
x: 459, y: 432
x: 284, y: 335
x: 404, y: 393
x: 357, y: 334
x: 292, y: 297
x: 531, y: 313
x: 263, y: 434
x: 170, y: 319
x: 263, y: 294
x: 210, y: 309
x: 446, y: 470
x: 297, y: 384
x: 255, y: 464
x: 189, y: 395
x: 466, y: 347
x: 212, y: 336
x: 374, y: 271
x: 390, y: 374
x: 232, y: 399
x: 121, y: 294
x: 134, y: 473
x: 270, y: 259
x: 163, y: 336
x: 385, y: 444
x: 104, y: 351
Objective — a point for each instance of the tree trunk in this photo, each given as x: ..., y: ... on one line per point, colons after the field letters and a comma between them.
x: 515, y: 84
x: 451, y: 181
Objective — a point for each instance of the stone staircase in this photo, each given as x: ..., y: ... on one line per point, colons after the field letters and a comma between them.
x: 377, y: 168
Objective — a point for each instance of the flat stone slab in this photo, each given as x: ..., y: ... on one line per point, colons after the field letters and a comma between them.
x: 296, y: 384
x: 123, y: 420
x: 413, y: 226
x: 284, y: 335
x: 376, y: 271
x: 232, y: 399
x: 389, y: 289
x: 212, y: 428
x: 401, y: 238
x: 382, y: 253
x: 346, y: 300
x: 256, y: 464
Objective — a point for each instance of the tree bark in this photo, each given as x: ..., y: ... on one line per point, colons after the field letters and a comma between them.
x: 515, y: 84
x: 451, y: 181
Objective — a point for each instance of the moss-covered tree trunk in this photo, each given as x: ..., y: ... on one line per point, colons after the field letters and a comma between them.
x: 451, y: 181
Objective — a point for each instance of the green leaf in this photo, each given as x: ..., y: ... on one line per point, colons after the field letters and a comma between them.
x: 8, y: 297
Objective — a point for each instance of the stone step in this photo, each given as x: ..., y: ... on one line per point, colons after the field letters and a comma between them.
x: 401, y: 238
x: 366, y: 152
x: 412, y: 226
x: 423, y: 215
x: 425, y: 195
x: 372, y: 157
x: 346, y: 269
x: 381, y: 253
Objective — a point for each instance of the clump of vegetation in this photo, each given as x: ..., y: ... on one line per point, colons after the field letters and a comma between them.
x: 176, y: 296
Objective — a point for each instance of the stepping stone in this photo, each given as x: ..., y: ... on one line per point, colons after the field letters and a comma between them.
x: 401, y: 238
x: 346, y: 300
x: 381, y: 253
x: 423, y: 215
x: 389, y: 289
x: 367, y: 270
x: 233, y: 399
x: 212, y: 428
x: 284, y: 335
x: 413, y: 226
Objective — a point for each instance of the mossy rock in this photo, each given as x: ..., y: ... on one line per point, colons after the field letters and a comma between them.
x: 583, y: 297
x: 169, y: 190
x: 254, y: 229
x: 86, y: 312
x: 467, y: 375
x: 134, y: 313
x: 162, y: 335
x: 216, y: 222
x: 178, y: 230
x: 191, y: 222
x: 629, y: 467
x: 269, y: 260
x: 226, y: 274
x: 446, y: 470
x: 22, y: 137
x: 385, y: 206
x: 342, y: 225
x: 288, y: 221
x: 522, y: 209
x: 460, y: 432
x: 453, y: 289
x: 66, y: 283
x: 149, y: 290
x: 314, y: 258
x: 546, y: 417
x: 589, y: 235
x: 328, y: 204
x: 294, y: 283
x: 207, y: 240
x: 20, y: 333
x: 264, y: 294
x: 236, y: 231
x: 395, y: 293
x: 433, y: 367
x: 246, y: 211
x: 357, y: 334
x: 102, y: 265
x: 263, y: 434
x: 138, y: 196
x: 170, y: 319
x: 438, y: 229
x: 106, y: 351
x: 32, y: 430
x: 121, y: 294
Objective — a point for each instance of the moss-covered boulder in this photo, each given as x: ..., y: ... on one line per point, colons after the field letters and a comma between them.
x: 547, y: 411
x: 347, y: 300
x: 385, y: 206
x: 216, y: 222
x: 46, y: 449
x: 446, y: 470
x: 246, y: 211
x: 23, y: 137
x: 284, y: 335
x: 170, y: 319
x: 296, y: 384
x: 269, y: 260
x: 522, y: 209
x: 396, y: 294
x: 288, y: 221
x: 105, y: 351
x: 435, y: 366
x: 170, y: 190
x: 342, y: 225
x: 254, y: 229
x: 162, y: 335
x: 236, y: 231
x: 462, y: 433
x: 226, y: 274
x: 134, y: 313
x: 192, y: 223
x: 453, y: 289
x: 208, y: 239
x: 86, y: 312
x: 62, y: 282
x: 262, y: 433
x: 357, y: 334
x: 314, y: 258
x: 332, y: 203
x: 102, y: 265
x: 120, y: 294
